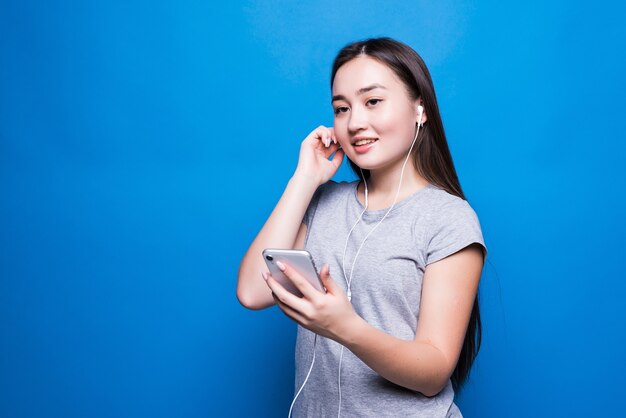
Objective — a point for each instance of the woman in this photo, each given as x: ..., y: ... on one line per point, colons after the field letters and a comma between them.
x: 401, y: 248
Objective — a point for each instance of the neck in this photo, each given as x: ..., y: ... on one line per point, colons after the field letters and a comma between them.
x: 382, y: 185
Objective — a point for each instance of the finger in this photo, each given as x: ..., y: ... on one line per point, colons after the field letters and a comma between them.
x: 332, y: 148
x: 302, y: 284
x: 328, y: 282
x: 338, y: 157
x: 290, y: 312
x: 327, y: 139
x: 327, y: 136
x: 332, y: 134
x: 285, y: 296
x: 317, y: 135
x: 324, y: 139
x: 324, y: 135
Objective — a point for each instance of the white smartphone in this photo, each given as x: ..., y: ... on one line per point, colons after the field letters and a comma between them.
x: 300, y: 260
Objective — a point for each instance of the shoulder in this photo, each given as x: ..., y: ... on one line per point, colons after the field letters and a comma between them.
x: 327, y: 197
x: 453, y: 225
x: 444, y: 207
x: 332, y: 190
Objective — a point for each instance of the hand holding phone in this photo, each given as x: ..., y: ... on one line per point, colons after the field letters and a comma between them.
x: 299, y: 260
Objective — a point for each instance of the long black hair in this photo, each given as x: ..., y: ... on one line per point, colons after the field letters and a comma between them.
x: 431, y: 155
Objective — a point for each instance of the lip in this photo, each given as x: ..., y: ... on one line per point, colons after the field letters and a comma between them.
x: 362, y: 149
x: 359, y: 138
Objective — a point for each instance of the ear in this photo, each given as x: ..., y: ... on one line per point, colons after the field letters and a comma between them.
x: 424, y: 117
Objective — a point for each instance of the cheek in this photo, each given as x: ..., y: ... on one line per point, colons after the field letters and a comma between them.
x: 343, y: 138
x: 397, y: 125
x: 343, y: 141
x: 341, y: 131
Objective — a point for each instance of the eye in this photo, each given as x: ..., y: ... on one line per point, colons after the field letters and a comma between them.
x: 341, y: 109
x: 373, y: 102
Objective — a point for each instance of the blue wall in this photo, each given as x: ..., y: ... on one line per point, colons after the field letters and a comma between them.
x: 142, y: 145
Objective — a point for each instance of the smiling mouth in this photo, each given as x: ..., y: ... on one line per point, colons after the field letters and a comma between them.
x: 364, y: 142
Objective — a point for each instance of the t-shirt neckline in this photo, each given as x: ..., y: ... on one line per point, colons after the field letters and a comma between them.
x: 398, y: 205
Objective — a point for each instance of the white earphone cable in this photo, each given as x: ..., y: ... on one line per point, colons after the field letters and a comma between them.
x: 349, y: 278
x: 306, y: 378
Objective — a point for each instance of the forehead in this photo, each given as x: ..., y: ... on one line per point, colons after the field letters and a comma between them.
x: 361, y: 72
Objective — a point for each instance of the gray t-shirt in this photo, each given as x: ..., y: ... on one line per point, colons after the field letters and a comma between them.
x: 386, y: 289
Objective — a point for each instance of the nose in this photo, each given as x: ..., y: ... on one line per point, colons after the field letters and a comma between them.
x: 358, y: 120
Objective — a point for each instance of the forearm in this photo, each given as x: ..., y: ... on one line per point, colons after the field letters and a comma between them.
x: 414, y: 365
x: 280, y: 231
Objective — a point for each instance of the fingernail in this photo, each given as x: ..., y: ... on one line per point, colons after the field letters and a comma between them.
x: 327, y: 142
x: 264, y: 275
x: 280, y: 265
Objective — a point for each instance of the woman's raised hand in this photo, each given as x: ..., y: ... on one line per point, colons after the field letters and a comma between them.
x: 315, y: 150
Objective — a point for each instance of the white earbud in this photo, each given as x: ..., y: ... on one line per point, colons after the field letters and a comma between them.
x: 420, y: 113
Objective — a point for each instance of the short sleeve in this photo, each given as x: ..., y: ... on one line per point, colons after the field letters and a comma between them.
x: 455, y: 226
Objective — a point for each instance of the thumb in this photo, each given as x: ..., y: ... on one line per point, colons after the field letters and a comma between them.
x: 337, y: 158
x: 327, y: 281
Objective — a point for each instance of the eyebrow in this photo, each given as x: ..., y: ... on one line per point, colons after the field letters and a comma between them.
x: 360, y: 91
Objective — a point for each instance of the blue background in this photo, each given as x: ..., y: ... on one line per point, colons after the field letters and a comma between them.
x: 143, y: 144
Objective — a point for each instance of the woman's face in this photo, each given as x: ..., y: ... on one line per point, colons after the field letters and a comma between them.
x: 374, y: 116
